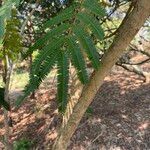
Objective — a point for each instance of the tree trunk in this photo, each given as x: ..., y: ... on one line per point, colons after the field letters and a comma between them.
x: 32, y: 96
x: 8, y: 144
x: 128, y: 29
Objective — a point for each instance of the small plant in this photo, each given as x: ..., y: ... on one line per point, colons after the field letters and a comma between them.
x: 22, y: 144
x: 89, y: 111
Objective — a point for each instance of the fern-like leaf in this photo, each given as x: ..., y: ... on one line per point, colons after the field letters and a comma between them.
x: 41, y: 66
x: 48, y: 38
x: 92, y: 23
x: 36, y: 79
x: 62, y: 81
x: 87, y: 45
x: 44, y: 53
x: 5, y: 13
x: 67, y: 41
x: 63, y: 16
x: 77, y: 59
x: 50, y: 35
x: 94, y: 7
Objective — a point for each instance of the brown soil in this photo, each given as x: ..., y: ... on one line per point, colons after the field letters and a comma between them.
x: 119, y: 119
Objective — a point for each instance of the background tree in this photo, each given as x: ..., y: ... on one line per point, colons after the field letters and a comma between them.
x: 11, y: 47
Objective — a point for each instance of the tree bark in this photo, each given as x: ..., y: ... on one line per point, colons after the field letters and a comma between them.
x: 127, y: 31
x: 8, y: 144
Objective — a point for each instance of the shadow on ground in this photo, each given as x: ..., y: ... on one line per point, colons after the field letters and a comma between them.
x: 119, y: 119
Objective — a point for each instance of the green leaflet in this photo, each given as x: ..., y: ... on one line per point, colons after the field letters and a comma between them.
x: 77, y: 59
x: 60, y: 46
x: 63, y: 16
x: 41, y: 66
x: 48, y: 63
x: 55, y: 44
x: 49, y: 35
x: 62, y: 81
x: 94, y: 7
x: 87, y: 44
x: 36, y: 79
x: 12, y: 41
x: 5, y: 13
x: 92, y: 23
x: 2, y: 26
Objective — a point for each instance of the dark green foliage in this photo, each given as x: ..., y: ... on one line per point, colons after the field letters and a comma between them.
x: 77, y: 59
x: 92, y: 24
x: 87, y: 45
x: 12, y: 40
x: 67, y: 39
x: 41, y: 66
x: 22, y: 144
x: 2, y: 101
x: 5, y: 13
x: 89, y: 111
x: 63, y: 16
x: 50, y: 35
x: 94, y: 7
x: 62, y: 80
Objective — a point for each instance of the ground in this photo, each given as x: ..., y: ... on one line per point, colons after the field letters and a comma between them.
x: 118, y: 118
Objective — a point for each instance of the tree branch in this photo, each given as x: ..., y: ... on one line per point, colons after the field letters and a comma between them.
x: 28, y: 17
x: 125, y: 34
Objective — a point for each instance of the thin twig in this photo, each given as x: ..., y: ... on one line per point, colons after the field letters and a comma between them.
x: 28, y: 17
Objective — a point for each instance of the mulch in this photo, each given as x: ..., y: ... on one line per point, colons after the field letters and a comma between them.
x: 119, y: 119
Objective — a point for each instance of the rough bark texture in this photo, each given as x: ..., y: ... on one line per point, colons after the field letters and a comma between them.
x: 126, y: 33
